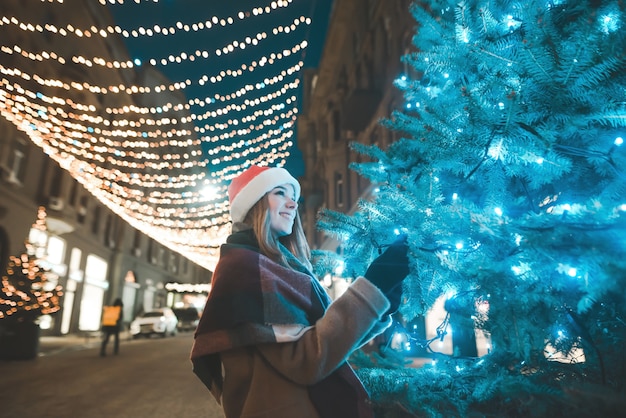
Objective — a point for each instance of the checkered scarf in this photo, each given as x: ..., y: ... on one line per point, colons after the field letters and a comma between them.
x: 255, y: 300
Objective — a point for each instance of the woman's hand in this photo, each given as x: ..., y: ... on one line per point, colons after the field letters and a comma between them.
x: 388, y: 271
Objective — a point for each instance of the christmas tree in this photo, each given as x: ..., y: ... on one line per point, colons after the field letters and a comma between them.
x: 509, y: 182
x: 29, y: 289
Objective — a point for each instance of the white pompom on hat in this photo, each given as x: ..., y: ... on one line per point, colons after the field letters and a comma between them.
x: 252, y: 184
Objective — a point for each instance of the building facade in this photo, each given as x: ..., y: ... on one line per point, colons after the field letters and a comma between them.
x: 96, y: 255
x: 343, y: 100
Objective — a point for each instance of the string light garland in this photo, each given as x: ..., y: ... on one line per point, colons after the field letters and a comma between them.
x: 141, y: 31
x: 158, y: 159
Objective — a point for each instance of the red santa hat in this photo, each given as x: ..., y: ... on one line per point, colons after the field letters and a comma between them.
x: 251, y: 185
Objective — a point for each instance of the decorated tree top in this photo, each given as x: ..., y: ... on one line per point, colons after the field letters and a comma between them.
x: 28, y: 289
x: 510, y: 182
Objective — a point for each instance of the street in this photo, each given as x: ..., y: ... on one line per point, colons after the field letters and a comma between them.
x: 149, y: 378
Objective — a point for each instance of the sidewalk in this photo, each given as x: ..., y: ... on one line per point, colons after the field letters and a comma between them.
x: 50, y: 345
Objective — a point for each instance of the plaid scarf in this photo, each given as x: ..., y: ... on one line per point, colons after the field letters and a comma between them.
x: 255, y: 300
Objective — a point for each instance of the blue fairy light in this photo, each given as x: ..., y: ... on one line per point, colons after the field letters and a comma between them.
x: 512, y: 23
x: 401, y: 81
x: 609, y: 23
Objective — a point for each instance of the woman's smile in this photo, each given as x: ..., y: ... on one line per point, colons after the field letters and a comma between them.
x: 282, y: 209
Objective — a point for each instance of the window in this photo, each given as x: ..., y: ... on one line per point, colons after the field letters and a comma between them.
x: 56, y: 187
x: 82, y: 209
x: 14, y: 162
x: 152, y: 251
x: 162, y: 260
x: 110, y: 230
x: 339, y: 190
x: 356, y: 43
x: 137, y: 243
x: 173, y: 262
x: 336, y: 126
x: 74, y: 193
x: 95, y: 224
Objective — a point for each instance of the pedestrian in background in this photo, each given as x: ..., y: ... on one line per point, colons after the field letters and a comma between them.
x: 111, y: 325
x: 270, y: 343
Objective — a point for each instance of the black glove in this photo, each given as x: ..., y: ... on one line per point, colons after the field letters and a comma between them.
x: 389, y: 269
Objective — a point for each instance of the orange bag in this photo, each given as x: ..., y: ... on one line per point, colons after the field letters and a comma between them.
x: 110, y: 315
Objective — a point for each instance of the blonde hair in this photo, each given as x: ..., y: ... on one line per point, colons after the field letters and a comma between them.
x: 259, y: 218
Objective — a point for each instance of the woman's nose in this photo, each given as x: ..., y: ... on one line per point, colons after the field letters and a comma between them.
x: 291, y: 202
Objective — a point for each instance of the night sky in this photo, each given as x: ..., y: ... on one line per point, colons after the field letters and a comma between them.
x: 166, y: 13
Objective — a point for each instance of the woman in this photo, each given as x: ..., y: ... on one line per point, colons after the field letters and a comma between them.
x: 270, y: 343
x: 111, y: 325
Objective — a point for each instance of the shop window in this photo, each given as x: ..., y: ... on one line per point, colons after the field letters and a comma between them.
x: 74, y: 277
x: 93, y: 293
x: 56, y: 250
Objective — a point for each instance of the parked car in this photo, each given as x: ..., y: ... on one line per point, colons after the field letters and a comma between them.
x: 188, y: 318
x: 161, y: 321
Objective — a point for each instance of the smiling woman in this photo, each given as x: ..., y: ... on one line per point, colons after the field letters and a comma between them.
x: 282, y: 209
x: 270, y: 343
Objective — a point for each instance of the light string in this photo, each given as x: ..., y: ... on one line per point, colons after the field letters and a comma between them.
x: 163, y: 166
x: 70, y: 30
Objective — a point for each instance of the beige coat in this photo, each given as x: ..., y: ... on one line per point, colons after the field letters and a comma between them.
x: 270, y: 380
